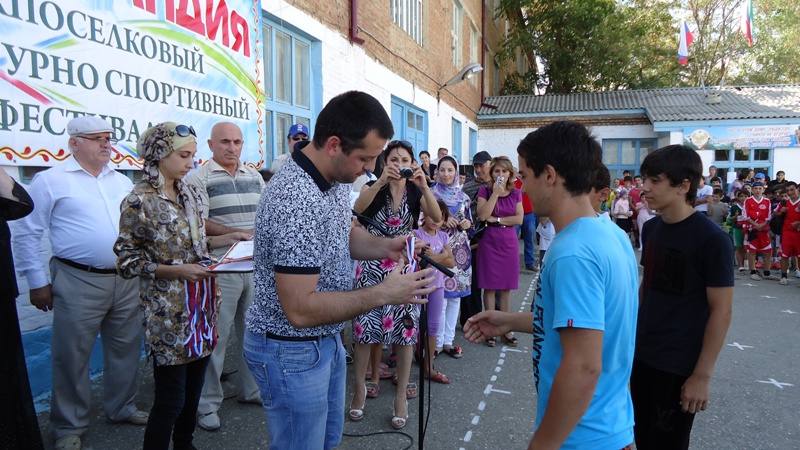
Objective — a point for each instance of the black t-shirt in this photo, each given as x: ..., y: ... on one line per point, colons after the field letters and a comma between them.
x: 680, y: 261
x: 413, y: 197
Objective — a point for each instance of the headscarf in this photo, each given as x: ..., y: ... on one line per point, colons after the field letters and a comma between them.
x: 154, y: 145
x: 450, y: 194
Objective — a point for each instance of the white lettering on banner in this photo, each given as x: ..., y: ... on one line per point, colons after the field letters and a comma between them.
x: 134, y: 65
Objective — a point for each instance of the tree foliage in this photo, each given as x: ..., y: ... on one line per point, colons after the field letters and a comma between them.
x: 594, y: 45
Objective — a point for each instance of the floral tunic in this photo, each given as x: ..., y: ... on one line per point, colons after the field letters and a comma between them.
x: 154, y: 230
x: 384, y: 324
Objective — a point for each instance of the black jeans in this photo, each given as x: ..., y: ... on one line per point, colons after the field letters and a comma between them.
x: 659, y: 421
x: 473, y: 303
x: 174, y: 412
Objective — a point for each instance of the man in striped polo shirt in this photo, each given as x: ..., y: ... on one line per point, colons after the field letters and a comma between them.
x: 232, y: 192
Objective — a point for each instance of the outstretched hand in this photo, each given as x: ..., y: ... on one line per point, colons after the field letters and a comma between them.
x: 402, y: 287
x: 487, y: 324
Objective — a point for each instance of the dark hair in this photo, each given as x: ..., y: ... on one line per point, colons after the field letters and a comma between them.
x: 716, y: 179
x: 718, y: 191
x: 424, y: 152
x: 789, y: 183
x: 266, y: 175
x: 351, y: 116
x: 628, y: 178
x: 741, y: 192
x: 445, y: 210
x: 602, y: 179
x: 637, y: 176
x: 780, y: 172
x: 569, y: 148
x: 398, y: 144
x: 678, y: 163
x: 742, y: 174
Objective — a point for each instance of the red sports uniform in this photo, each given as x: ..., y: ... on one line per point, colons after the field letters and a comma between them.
x: 759, y: 211
x: 790, y: 237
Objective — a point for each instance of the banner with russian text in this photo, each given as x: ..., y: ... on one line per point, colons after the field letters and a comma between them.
x: 133, y: 63
x: 728, y: 138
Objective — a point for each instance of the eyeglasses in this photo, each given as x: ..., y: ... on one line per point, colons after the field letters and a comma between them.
x: 100, y: 140
x: 183, y: 131
x: 296, y: 139
x: 398, y: 143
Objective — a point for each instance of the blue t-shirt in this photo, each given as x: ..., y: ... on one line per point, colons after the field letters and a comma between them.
x: 589, y: 280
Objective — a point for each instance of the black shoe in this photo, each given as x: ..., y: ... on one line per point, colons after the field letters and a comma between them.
x: 530, y: 268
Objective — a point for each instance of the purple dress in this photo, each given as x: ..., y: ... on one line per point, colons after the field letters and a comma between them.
x: 498, y: 252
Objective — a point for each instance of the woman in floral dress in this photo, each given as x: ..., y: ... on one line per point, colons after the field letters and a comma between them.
x: 449, y: 191
x: 162, y: 240
x: 394, y: 203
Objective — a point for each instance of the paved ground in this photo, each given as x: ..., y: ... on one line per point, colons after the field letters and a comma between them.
x: 490, y: 404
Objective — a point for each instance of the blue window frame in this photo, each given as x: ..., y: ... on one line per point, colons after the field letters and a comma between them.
x: 456, y: 151
x: 473, y: 143
x: 292, y: 77
x: 758, y: 159
x: 626, y: 154
x: 410, y: 124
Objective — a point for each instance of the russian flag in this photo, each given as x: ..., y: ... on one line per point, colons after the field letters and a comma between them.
x: 686, y: 38
x: 746, y: 23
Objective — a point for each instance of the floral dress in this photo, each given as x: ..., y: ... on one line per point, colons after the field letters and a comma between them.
x: 386, y: 323
x: 154, y: 230
x: 459, y: 285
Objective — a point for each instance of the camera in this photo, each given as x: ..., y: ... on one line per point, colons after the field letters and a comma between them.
x: 406, y: 172
x: 500, y: 181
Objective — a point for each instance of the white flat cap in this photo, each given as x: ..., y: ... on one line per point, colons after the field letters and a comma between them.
x: 88, y: 125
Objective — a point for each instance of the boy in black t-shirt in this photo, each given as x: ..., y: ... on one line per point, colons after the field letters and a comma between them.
x: 685, y: 302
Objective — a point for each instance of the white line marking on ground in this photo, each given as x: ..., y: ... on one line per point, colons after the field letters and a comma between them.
x: 488, y: 389
x: 468, y: 436
x: 494, y: 378
x: 773, y: 381
x: 476, y: 419
x: 500, y: 362
x: 481, y: 405
x: 497, y: 369
x: 789, y: 311
x: 507, y: 349
x: 509, y: 392
x: 740, y: 346
x: 767, y: 296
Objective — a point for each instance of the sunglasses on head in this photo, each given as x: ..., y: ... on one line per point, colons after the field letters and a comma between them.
x: 296, y: 138
x: 398, y: 143
x: 183, y: 131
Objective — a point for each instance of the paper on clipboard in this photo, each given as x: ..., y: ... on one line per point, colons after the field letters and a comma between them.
x: 238, y: 258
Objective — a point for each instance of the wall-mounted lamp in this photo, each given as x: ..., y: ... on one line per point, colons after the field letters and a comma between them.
x: 464, y: 74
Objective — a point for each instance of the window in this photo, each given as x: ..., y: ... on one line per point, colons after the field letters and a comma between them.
x: 407, y: 14
x: 626, y: 154
x: 473, y: 143
x: 26, y: 173
x: 455, y: 32
x: 410, y: 124
x: 474, y: 50
x: 288, y: 84
x: 456, y: 141
x: 758, y: 159
x: 134, y: 175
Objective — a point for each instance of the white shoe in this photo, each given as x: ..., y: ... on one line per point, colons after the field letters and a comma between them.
x: 784, y: 281
x: 755, y: 277
x: 69, y: 442
x: 797, y: 273
x: 209, y: 422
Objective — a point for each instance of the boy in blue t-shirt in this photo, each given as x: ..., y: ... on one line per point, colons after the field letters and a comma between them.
x: 583, y: 327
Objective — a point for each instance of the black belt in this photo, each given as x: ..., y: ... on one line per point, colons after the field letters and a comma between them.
x: 494, y: 224
x: 295, y: 338
x: 89, y: 269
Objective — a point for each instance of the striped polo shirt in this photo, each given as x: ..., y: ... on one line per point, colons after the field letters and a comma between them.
x: 232, y: 200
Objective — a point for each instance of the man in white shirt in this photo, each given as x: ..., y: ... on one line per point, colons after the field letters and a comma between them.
x: 78, y: 201
x: 704, y: 192
x: 231, y: 192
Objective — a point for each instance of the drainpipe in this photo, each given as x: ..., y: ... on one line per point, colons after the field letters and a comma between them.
x: 354, y: 23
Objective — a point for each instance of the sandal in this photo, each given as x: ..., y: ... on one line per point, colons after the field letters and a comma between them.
x: 491, y: 342
x: 411, y: 391
x: 398, y: 423
x: 383, y: 372
x: 373, y: 389
x: 510, y: 341
x: 453, y: 352
x: 439, y: 377
x: 357, y: 414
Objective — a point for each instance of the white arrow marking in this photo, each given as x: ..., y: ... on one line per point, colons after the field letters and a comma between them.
x: 740, y: 346
x: 775, y: 382
x: 748, y: 284
x: 767, y: 296
x: 789, y: 311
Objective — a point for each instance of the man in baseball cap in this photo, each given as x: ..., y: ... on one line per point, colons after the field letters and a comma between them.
x: 297, y: 133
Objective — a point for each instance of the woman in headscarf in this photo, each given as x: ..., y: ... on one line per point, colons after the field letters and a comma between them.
x: 449, y: 191
x: 162, y: 239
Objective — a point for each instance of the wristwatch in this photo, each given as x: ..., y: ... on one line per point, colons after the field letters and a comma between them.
x: 498, y: 220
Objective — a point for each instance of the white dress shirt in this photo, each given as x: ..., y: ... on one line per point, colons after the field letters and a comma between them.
x: 82, y: 213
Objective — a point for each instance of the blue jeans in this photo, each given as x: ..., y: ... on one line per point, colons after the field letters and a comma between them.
x: 529, y: 237
x: 302, y: 386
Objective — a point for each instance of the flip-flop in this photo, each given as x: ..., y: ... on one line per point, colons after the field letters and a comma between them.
x: 439, y: 377
x: 373, y: 389
x: 411, y: 391
x: 453, y: 352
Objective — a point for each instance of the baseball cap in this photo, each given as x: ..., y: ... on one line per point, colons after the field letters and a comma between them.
x: 758, y: 183
x: 760, y: 175
x: 298, y: 128
x: 88, y: 125
x: 481, y: 157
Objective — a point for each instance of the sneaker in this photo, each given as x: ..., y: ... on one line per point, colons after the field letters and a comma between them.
x: 776, y: 265
x: 771, y: 277
x: 69, y: 442
x: 759, y: 265
x: 797, y: 273
x: 209, y: 422
x: 741, y: 271
x: 138, y: 418
x: 784, y: 281
x: 755, y: 277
